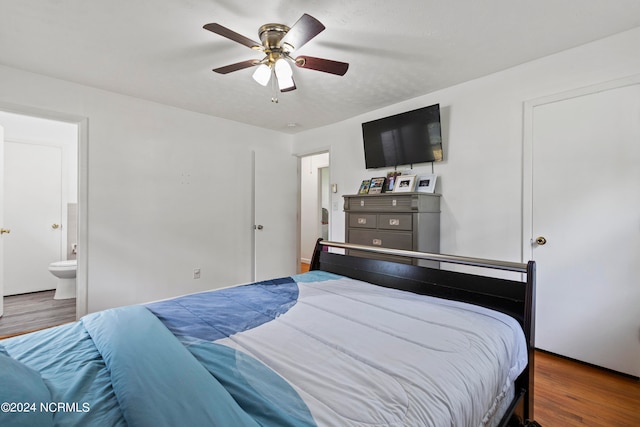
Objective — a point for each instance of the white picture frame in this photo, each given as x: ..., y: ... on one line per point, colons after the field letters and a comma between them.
x: 404, y: 184
x: 426, y: 183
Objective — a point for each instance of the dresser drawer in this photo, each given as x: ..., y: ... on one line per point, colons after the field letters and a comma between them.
x: 385, y: 239
x: 393, y: 202
x: 377, y: 203
x: 362, y: 220
x: 395, y: 222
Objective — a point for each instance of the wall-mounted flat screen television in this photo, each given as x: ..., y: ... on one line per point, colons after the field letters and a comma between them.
x: 403, y: 139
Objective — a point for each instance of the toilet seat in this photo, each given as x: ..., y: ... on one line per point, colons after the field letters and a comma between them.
x: 64, y: 269
x: 63, y: 265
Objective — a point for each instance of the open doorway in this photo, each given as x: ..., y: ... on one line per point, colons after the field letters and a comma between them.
x: 315, y: 201
x: 40, y: 215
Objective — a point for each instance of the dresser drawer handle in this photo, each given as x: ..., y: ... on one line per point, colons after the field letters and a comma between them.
x: 377, y: 242
x: 362, y: 220
x: 394, y: 221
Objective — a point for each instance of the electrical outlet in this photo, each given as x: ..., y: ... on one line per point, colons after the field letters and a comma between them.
x: 196, y: 273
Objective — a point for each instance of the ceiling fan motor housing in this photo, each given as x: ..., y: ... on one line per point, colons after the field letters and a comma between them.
x: 271, y: 35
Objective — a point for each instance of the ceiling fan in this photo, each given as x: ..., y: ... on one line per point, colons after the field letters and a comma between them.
x: 278, y: 42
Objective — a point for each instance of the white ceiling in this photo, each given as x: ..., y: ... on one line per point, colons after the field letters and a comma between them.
x: 397, y: 50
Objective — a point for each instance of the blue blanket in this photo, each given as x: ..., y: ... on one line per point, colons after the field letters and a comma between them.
x: 218, y: 314
x: 125, y: 367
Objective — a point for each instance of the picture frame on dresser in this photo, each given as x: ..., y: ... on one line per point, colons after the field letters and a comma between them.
x: 405, y: 184
x: 426, y: 183
x: 364, y: 186
x: 377, y: 185
x: 391, y: 179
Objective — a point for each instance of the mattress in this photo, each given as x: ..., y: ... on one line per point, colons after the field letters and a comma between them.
x: 312, y: 349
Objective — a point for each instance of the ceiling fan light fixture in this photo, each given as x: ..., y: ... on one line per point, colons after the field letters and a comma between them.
x: 284, y: 74
x: 262, y: 74
x: 277, y: 42
x: 285, y: 85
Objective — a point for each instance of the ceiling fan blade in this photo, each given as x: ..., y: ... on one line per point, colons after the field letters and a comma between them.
x: 237, y: 66
x: 324, y: 65
x: 232, y: 35
x: 305, y: 28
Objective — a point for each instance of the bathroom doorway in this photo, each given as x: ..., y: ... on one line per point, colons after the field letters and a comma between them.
x: 315, y: 202
x: 40, y: 207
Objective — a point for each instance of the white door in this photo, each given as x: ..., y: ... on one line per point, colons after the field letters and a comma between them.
x: 586, y: 204
x: 275, y: 213
x: 3, y: 230
x: 33, y: 212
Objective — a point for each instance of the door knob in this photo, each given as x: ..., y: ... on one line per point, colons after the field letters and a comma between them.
x: 55, y: 226
x: 540, y: 240
x: 258, y: 227
x: 4, y: 230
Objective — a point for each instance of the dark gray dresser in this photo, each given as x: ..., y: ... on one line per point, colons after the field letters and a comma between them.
x: 394, y: 220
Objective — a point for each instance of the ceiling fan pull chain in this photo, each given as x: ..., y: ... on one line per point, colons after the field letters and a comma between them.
x: 274, y: 87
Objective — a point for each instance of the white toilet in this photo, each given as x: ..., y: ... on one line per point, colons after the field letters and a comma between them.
x: 65, y: 271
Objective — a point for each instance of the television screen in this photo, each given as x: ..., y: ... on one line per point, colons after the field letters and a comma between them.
x: 403, y: 139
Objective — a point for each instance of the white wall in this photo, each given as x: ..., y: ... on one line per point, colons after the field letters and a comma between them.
x: 166, y: 188
x: 481, y: 177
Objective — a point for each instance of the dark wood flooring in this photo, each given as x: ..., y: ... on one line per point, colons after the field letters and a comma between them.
x: 33, y: 311
x: 569, y: 393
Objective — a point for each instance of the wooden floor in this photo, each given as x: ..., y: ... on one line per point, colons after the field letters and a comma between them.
x: 37, y: 310
x: 569, y: 393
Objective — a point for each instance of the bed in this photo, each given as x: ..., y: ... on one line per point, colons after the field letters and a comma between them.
x: 353, y: 342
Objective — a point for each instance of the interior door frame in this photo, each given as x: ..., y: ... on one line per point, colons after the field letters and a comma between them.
x: 527, y: 152
x: 300, y: 156
x: 83, y: 162
x: 320, y: 199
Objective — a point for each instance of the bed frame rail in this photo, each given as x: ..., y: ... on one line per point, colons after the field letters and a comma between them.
x: 512, y: 297
x: 453, y: 259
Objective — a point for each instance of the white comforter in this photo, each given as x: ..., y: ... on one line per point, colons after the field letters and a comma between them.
x: 402, y: 359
